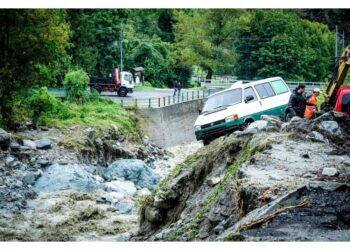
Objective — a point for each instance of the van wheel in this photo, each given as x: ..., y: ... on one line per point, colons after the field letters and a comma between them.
x: 122, y: 92
x: 206, y: 142
x: 247, y: 123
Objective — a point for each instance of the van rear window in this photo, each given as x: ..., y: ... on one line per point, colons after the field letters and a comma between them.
x: 345, y: 103
x: 279, y: 87
x: 264, y: 90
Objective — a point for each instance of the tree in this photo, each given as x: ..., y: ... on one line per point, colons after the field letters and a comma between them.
x: 204, y: 38
x: 280, y: 43
x: 33, y: 51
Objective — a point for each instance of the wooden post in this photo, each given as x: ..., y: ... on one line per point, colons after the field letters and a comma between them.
x: 159, y: 102
x: 149, y: 103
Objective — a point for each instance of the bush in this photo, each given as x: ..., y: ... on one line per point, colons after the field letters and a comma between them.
x: 42, y: 102
x: 76, y: 83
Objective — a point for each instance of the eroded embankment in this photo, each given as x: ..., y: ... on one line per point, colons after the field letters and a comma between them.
x: 263, y: 184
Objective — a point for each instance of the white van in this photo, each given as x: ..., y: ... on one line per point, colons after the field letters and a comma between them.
x: 243, y: 103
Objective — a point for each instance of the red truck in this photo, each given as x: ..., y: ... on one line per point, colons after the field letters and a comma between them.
x: 120, y: 82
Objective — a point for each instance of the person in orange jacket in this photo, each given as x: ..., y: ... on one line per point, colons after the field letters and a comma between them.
x: 310, y: 111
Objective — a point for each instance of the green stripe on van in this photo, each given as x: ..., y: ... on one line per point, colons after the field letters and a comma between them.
x: 277, y: 111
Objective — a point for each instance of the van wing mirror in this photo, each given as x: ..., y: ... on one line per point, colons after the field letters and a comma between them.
x: 248, y: 98
x: 199, y: 111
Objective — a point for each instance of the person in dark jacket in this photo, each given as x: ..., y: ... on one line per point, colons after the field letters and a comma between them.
x: 297, y: 102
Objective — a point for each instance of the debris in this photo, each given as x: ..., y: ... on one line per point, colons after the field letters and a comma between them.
x: 266, y: 218
x: 213, y: 181
x: 330, y: 172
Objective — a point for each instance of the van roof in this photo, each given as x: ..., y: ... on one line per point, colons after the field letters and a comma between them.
x: 240, y: 84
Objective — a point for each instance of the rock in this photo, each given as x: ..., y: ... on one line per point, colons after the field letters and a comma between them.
x: 44, y: 128
x: 9, y: 161
x: 305, y: 156
x: 99, y: 143
x: 126, y: 188
x: 346, y: 162
x: 90, y: 132
x: 63, y: 162
x: 145, y: 141
x: 5, y: 139
x: 43, y: 163
x: 276, y: 177
x: 30, y: 178
x: 18, y: 184
x: 124, y: 207
x: 153, y: 215
x: 284, y: 126
x: 15, y: 146
x: 213, y: 181
x: 330, y: 172
x: 325, y: 117
x: 43, y: 144
x: 143, y: 192
x: 71, y: 177
x: 295, y: 119
x: 90, y: 168
x: 331, y: 127
x: 316, y: 137
x: 113, y: 197
x: 2, y: 182
x: 29, y: 143
x: 257, y: 125
x: 133, y: 170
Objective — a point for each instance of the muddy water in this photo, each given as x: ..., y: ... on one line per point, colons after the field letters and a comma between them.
x: 74, y: 216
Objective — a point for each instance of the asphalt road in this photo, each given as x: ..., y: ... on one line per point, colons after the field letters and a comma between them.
x: 155, y: 98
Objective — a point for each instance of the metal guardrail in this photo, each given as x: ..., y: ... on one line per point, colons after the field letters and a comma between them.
x: 160, y: 102
x: 291, y: 84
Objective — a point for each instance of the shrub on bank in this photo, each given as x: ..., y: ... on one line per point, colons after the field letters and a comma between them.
x: 76, y: 83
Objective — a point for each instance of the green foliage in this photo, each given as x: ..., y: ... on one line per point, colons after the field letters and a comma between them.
x: 76, y: 83
x: 42, y: 102
x: 280, y: 43
x: 204, y: 38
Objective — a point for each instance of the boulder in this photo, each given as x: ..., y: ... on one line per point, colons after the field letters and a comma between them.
x: 330, y: 127
x: 271, y: 118
x: 126, y: 188
x: 43, y: 144
x: 31, y: 177
x: 124, y: 207
x: 213, y: 181
x: 70, y: 177
x: 330, y: 172
x: 316, y: 137
x: 15, y: 146
x: 153, y: 215
x: 133, y: 170
x: 5, y: 139
x: 257, y: 125
x: 29, y: 143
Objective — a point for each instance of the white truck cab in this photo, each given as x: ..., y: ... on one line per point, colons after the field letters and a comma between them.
x: 241, y: 104
x: 127, y: 80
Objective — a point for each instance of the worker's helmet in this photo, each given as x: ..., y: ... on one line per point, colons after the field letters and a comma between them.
x: 317, y: 90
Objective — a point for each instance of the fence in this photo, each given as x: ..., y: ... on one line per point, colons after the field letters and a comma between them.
x: 164, y: 101
x: 224, y: 85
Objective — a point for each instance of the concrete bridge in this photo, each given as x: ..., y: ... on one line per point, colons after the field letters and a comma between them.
x: 172, y: 125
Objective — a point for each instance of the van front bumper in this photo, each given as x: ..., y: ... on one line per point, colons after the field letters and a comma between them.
x: 218, y: 130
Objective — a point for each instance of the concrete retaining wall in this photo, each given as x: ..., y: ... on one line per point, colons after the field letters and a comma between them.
x: 173, y: 124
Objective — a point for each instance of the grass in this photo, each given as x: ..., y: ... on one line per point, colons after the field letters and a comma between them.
x: 99, y: 114
x: 95, y: 112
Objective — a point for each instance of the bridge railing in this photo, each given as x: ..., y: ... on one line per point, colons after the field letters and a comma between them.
x: 160, y: 102
x: 291, y: 84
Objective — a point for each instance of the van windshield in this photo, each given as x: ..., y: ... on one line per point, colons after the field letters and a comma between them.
x: 223, y: 99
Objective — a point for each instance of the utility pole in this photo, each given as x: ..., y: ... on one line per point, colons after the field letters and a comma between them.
x: 336, y: 43
x: 121, y: 49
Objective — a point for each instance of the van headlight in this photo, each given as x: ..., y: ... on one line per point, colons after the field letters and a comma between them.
x: 198, y: 127
x: 231, y: 118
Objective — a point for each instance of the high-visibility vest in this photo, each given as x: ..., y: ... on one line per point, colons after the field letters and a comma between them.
x: 310, y: 110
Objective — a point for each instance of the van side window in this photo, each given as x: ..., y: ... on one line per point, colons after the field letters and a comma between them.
x: 249, y: 91
x: 279, y: 86
x: 264, y: 90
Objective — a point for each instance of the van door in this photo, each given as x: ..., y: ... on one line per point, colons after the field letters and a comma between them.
x: 252, y: 104
x: 266, y: 94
